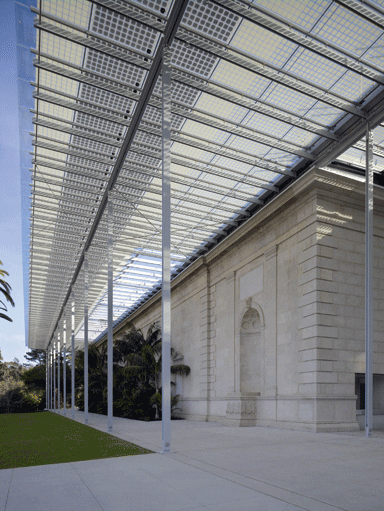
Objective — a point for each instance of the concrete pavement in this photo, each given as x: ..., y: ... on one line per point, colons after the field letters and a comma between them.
x: 212, y: 467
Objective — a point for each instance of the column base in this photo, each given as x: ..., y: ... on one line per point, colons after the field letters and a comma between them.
x: 241, y: 409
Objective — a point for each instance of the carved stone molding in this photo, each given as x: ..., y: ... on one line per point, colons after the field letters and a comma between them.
x: 251, y: 320
x: 271, y: 252
x: 241, y: 410
x: 231, y: 277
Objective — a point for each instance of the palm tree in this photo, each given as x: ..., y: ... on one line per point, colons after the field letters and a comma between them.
x: 5, y: 288
x: 97, y: 378
x: 142, y: 357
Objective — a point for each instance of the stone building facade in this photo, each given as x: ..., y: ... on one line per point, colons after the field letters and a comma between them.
x: 271, y: 321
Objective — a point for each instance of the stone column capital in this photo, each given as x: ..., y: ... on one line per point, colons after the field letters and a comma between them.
x: 230, y: 277
x: 270, y: 252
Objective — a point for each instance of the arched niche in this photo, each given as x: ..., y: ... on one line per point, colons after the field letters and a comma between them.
x: 251, y: 351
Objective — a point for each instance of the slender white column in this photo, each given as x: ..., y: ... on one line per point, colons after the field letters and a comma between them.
x: 86, y: 287
x: 73, y: 355
x: 58, y: 373
x: 51, y: 378
x: 110, y: 311
x: 46, y: 380
x: 166, y: 252
x: 54, y: 375
x: 65, y: 367
x: 369, y: 284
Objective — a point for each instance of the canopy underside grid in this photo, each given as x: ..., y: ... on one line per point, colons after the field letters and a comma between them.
x: 261, y: 92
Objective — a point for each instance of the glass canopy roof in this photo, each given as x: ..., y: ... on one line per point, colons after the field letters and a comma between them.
x: 261, y: 92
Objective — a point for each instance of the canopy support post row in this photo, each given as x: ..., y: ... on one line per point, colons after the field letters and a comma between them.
x: 86, y: 337
x: 166, y: 248
x: 46, y: 379
x: 51, y: 378
x: 54, y: 374
x: 58, y: 372
x: 73, y: 355
x: 64, y: 367
x: 369, y: 284
x: 110, y: 310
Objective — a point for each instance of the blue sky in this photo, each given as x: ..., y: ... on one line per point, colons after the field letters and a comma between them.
x: 12, y: 335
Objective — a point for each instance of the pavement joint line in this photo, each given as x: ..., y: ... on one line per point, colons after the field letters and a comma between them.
x: 85, y: 484
x: 241, y: 476
x: 9, y: 489
x: 278, y: 493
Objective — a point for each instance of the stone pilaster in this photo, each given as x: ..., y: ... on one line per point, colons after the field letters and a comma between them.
x: 207, y: 336
x: 234, y: 357
x: 318, y: 313
x: 270, y: 297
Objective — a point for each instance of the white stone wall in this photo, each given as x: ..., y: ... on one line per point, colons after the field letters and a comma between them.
x: 298, y: 268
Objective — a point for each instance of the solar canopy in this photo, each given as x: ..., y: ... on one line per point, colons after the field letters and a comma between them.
x: 261, y: 92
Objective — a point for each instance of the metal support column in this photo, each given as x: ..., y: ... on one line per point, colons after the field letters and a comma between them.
x: 369, y: 284
x: 86, y: 286
x: 58, y: 373
x: 166, y: 252
x: 64, y: 367
x: 73, y: 355
x: 54, y: 374
x: 46, y: 380
x: 51, y: 378
x: 110, y: 311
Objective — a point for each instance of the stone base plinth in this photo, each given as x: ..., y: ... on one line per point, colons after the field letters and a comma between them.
x: 241, y: 410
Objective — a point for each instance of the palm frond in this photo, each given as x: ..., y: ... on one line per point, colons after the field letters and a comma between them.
x: 5, y: 290
x: 133, y: 359
x: 181, y: 369
x: 3, y: 272
x: 4, y: 316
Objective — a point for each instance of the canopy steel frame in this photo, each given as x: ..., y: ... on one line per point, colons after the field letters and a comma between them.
x: 178, y: 159
x: 243, y: 60
x: 269, y: 70
x: 304, y: 38
x: 273, y: 73
x: 212, y: 88
x: 264, y: 19
x: 69, y: 246
x: 154, y: 190
x: 79, y: 198
x: 193, y: 141
x: 183, y: 161
x: 187, y: 140
x: 216, y: 122
x: 363, y: 11
x: 228, y: 194
x: 182, y: 180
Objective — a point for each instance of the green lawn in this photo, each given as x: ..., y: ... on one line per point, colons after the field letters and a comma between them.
x: 29, y: 439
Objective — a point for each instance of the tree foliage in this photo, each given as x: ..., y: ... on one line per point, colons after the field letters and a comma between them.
x: 17, y: 395
x: 97, y: 379
x: 34, y: 377
x: 37, y: 356
x: 136, y: 375
x: 136, y: 378
x: 5, y: 290
x: 21, y: 389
